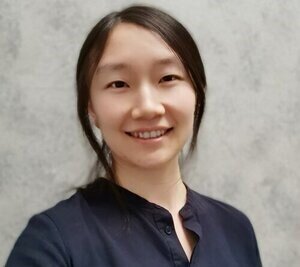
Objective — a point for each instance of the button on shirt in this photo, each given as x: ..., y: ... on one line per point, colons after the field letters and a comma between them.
x: 88, y: 230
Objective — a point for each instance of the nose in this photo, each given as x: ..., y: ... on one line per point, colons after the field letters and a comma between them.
x: 148, y: 104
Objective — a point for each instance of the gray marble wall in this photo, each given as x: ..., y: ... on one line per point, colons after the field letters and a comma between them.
x: 248, y: 153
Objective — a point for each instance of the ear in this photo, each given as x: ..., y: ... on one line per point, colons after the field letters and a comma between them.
x: 92, y: 114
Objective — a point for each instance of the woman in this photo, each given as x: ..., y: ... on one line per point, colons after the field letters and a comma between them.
x: 141, y: 82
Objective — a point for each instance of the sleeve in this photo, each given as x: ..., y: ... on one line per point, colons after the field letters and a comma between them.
x: 39, y: 245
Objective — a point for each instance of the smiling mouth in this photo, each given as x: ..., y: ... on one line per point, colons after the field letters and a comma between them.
x: 149, y: 135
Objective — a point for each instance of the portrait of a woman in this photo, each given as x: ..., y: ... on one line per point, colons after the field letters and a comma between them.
x: 141, y: 84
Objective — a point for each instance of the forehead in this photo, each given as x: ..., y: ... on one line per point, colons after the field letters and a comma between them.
x: 129, y: 42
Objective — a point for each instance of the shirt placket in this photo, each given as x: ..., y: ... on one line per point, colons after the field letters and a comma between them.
x: 165, y: 225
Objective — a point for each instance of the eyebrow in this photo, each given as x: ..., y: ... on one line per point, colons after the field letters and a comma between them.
x: 111, y: 67
x: 121, y: 66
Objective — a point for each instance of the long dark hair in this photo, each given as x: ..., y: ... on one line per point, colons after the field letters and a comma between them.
x: 172, y: 32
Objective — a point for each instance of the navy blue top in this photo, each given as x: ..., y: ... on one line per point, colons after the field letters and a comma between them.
x: 88, y: 230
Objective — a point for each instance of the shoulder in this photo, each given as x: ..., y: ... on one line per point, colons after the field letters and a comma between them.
x: 65, y: 233
x: 216, y: 207
x: 228, y: 224
x: 71, y: 213
x: 221, y: 213
x: 43, y: 241
x: 67, y: 210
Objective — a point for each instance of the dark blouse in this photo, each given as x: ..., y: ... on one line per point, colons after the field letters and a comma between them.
x: 88, y: 230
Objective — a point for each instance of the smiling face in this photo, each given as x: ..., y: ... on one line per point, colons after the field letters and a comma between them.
x: 141, y: 98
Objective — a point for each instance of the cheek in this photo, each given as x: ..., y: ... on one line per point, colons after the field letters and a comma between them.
x: 108, y: 112
x: 184, y: 102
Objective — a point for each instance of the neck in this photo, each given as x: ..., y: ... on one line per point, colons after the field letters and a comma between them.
x: 162, y: 186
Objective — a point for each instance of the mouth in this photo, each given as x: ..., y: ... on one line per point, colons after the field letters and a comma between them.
x: 150, y: 134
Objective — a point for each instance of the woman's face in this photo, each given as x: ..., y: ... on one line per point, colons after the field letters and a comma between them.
x: 140, y: 90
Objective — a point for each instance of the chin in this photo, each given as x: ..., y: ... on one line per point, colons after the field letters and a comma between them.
x: 152, y: 163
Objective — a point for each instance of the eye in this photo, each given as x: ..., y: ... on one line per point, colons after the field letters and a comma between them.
x: 117, y: 84
x: 169, y: 78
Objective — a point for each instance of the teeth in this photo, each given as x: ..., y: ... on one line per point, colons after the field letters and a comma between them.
x: 153, y: 134
x: 144, y: 135
x: 148, y: 135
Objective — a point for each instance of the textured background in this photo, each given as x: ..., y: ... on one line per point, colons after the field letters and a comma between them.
x: 248, y: 153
